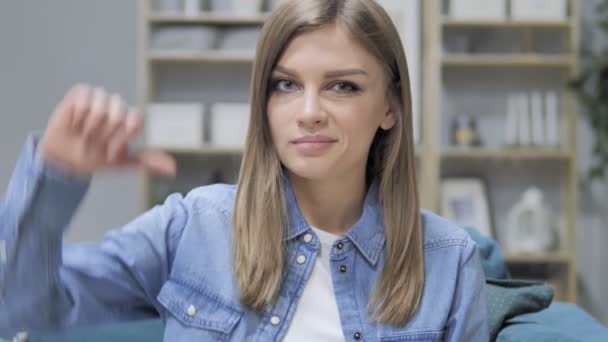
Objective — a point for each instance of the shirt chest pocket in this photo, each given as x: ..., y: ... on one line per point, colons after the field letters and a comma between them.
x: 430, y: 336
x: 197, y: 313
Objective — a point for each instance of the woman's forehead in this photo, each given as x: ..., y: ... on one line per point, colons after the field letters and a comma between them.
x: 330, y: 47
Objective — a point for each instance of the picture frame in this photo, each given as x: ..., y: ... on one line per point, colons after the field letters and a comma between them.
x: 464, y: 201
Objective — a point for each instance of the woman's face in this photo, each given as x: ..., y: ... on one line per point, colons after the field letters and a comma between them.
x: 328, y: 98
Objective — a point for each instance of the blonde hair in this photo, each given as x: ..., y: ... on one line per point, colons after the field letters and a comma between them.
x: 260, y: 217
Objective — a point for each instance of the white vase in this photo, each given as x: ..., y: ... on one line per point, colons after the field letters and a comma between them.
x: 530, y: 228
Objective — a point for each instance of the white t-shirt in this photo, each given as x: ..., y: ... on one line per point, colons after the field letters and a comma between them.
x: 316, y: 317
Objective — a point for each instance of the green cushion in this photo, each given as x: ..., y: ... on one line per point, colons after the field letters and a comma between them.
x: 143, y: 330
x: 509, y: 298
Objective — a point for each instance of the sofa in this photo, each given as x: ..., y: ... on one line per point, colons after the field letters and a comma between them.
x: 518, y: 311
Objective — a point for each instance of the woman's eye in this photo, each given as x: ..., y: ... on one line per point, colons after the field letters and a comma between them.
x: 345, y: 87
x: 283, y: 85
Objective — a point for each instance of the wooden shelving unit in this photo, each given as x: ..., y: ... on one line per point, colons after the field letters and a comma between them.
x: 207, y: 19
x: 505, y: 153
x: 211, y: 56
x: 437, y: 62
x: 504, y: 60
x: 449, y: 22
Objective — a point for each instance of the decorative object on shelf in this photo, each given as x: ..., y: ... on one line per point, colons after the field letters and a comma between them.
x: 530, y: 225
x: 238, y: 38
x: 478, y: 9
x: 169, y: 6
x: 532, y: 119
x: 192, y: 8
x: 538, y: 9
x: 229, y: 123
x: 523, y: 120
x: 464, y: 201
x: 464, y: 131
x: 592, y: 88
x: 184, y: 38
x: 512, y: 119
x: 537, y: 118
x: 552, y: 118
x: 174, y: 125
x: 238, y: 7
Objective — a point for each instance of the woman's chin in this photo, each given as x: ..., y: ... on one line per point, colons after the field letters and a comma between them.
x: 311, y: 170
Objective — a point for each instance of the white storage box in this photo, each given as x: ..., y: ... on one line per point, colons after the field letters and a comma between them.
x: 538, y: 9
x: 237, y: 7
x: 478, y: 9
x: 184, y: 38
x: 175, y: 125
x: 229, y: 123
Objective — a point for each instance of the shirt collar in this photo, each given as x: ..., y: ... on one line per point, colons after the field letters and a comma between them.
x: 367, y: 234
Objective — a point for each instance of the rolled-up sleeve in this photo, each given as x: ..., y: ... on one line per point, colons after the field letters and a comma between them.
x: 468, y: 316
x: 48, y: 286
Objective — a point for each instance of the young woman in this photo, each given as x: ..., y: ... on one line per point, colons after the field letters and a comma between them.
x: 321, y: 239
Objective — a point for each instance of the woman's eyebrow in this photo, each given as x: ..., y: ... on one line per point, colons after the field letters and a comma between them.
x: 345, y: 72
x: 328, y: 74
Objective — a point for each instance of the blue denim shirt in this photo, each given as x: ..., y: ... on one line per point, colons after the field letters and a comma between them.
x: 175, y: 261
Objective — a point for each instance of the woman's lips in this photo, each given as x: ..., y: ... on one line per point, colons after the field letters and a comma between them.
x: 313, y: 146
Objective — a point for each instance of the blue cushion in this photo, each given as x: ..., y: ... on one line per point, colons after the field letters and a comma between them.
x: 560, y: 322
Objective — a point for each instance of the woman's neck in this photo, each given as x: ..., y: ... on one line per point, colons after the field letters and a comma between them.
x: 333, y: 205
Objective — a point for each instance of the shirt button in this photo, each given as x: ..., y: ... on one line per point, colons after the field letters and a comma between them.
x: 275, y: 320
x: 191, y: 310
x: 307, y: 238
x: 357, y: 336
x: 301, y: 259
x: 343, y: 268
x: 339, y: 245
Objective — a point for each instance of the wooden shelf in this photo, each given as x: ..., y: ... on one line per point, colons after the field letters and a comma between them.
x: 561, y: 24
x: 207, y: 150
x: 508, y: 60
x: 208, y: 18
x: 538, y: 258
x: 210, y: 56
x: 505, y: 153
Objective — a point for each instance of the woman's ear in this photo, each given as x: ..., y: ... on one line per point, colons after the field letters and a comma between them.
x: 389, y: 121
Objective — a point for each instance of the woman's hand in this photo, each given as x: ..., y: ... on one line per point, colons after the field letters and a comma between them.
x: 90, y: 130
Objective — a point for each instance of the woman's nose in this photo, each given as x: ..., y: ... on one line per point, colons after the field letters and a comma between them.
x: 311, y: 114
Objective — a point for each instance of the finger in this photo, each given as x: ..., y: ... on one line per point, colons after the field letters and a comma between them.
x: 134, y: 123
x: 117, y: 111
x: 97, y: 115
x: 118, y: 145
x: 156, y: 162
x: 80, y: 102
